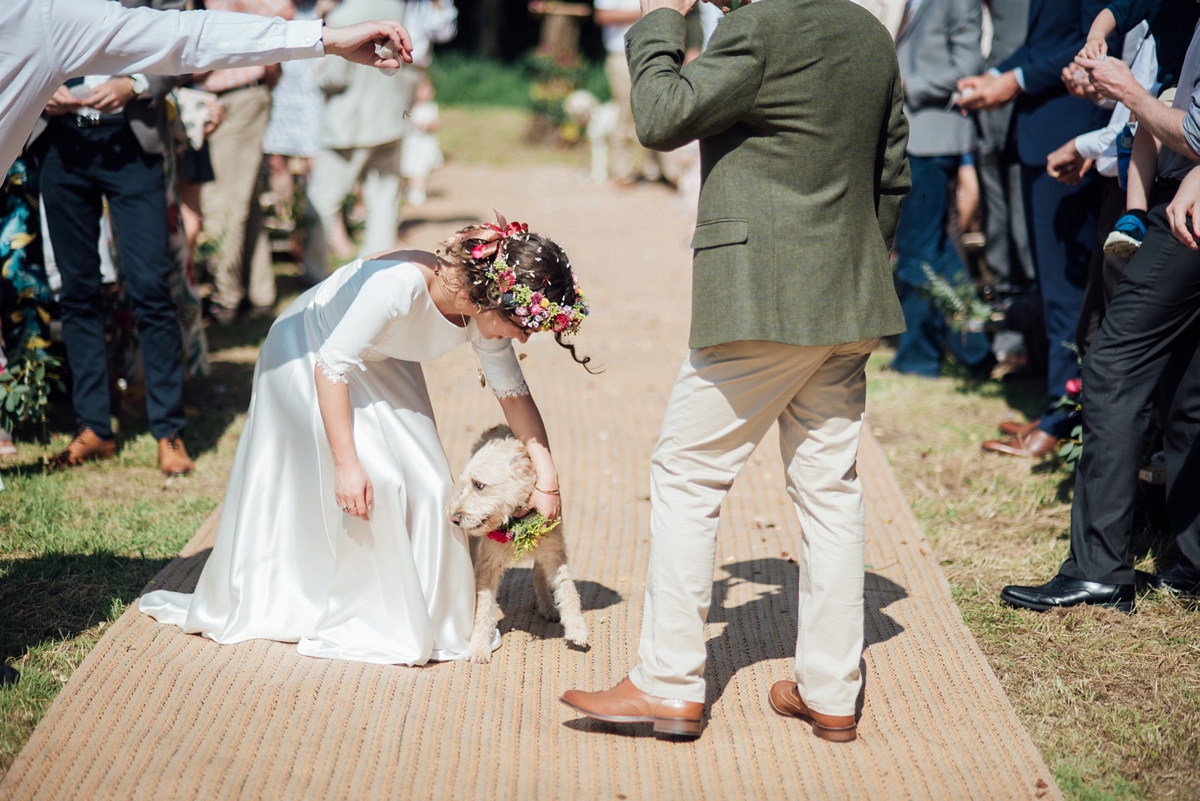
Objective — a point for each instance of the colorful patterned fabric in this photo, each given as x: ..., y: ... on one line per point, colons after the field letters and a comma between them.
x: 24, y: 289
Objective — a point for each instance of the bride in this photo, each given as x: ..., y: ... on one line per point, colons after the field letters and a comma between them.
x: 333, y: 532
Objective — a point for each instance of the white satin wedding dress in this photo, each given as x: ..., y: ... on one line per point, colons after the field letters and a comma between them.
x: 288, y: 564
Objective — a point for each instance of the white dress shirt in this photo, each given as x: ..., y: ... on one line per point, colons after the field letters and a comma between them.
x: 1101, y: 145
x: 45, y: 42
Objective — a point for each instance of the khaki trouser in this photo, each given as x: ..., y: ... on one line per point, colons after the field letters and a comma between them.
x: 333, y: 176
x: 724, y: 401
x: 628, y: 159
x: 236, y: 152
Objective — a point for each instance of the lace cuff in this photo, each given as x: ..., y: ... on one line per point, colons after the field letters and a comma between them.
x: 331, y: 368
x: 509, y: 386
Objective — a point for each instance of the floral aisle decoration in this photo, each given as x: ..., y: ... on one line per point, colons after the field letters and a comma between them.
x: 30, y: 373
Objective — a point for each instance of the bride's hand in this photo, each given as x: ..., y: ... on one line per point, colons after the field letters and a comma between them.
x: 352, y: 488
x: 548, y: 504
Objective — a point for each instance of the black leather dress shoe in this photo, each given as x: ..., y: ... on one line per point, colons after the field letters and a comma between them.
x: 1063, y: 591
x: 1179, y: 580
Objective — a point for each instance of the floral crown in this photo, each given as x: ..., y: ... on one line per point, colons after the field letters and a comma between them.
x: 531, y: 309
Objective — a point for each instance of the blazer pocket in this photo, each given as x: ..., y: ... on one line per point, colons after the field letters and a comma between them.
x: 716, y: 233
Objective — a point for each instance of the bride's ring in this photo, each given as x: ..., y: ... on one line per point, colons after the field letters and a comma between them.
x: 345, y: 508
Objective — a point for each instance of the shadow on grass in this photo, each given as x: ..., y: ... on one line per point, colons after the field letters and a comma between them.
x: 764, y: 628
x: 55, y: 597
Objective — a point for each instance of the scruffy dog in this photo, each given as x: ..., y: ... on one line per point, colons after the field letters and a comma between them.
x: 493, y: 487
x: 598, y: 120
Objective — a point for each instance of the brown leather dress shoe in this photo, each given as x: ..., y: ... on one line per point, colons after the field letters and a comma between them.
x: 1014, y: 429
x: 172, y: 458
x: 85, y: 447
x: 625, y: 703
x: 785, y: 700
x: 1034, y: 444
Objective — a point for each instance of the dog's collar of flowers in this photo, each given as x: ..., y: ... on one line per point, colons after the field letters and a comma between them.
x: 523, y: 532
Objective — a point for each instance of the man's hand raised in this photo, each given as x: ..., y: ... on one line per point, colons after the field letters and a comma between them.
x: 1111, y: 77
x: 357, y: 43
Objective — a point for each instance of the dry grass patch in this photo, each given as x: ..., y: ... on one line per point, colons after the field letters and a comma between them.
x: 1110, y: 699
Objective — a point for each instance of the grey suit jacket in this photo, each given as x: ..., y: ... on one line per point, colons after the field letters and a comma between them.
x: 363, y: 107
x: 939, y: 46
x: 1010, y: 24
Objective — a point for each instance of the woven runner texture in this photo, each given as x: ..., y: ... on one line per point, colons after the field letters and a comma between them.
x: 156, y: 714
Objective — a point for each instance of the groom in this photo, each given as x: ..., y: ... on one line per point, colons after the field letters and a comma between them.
x: 798, y: 108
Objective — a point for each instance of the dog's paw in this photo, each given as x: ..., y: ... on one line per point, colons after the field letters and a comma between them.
x: 549, y: 613
x: 479, y: 656
x: 577, y: 634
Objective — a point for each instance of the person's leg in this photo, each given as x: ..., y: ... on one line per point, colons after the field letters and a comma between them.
x: 920, y: 242
x: 1022, y: 270
x: 257, y: 260
x: 1063, y: 225
x: 72, y: 202
x: 136, y: 194
x: 1181, y: 441
x: 622, y: 142
x: 994, y: 205
x: 381, y: 193
x: 1157, y: 302
x: 724, y: 401
x: 1104, y: 270
x: 818, y: 438
x: 334, y: 173
x: 236, y: 151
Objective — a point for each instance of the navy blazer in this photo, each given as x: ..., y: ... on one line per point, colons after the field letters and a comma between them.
x: 1046, y: 116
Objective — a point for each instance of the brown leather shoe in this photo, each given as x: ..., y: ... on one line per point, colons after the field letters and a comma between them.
x: 1014, y: 429
x: 1034, y: 444
x: 85, y: 447
x: 172, y: 458
x: 625, y: 703
x: 785, y: 700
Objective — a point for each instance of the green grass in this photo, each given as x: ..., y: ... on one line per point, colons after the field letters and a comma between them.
x: 1110, y: 700
x: 77, y: 547
x: 462, y: 80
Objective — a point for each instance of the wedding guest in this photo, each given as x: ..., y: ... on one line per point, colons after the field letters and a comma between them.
x: 792, y: 287
x: 1006, y: 249
x: 628, y: 160
x: 236, y: 149
x: 1062, y: 216
x: 361, y: 131
x: 105, y: 142
x: 938, y: 44
x: 107, y: 38
x: 421, y: 152
x: 1147, y: 345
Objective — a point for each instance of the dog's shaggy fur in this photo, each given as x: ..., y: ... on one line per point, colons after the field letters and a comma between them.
x: 494, y: 485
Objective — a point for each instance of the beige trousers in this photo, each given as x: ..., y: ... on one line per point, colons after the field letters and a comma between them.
x: 236, y: 152
x: 333, y: 176
x: 628, y: 159
x: 724, y: 401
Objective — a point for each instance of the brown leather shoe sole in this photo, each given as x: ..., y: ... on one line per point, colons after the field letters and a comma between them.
x: 1014, y: 429
x: 833, y: 734
x: 676, y: 727
x: 1036, y: 443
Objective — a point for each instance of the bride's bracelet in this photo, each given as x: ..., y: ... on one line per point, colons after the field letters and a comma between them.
x: 536, y: 488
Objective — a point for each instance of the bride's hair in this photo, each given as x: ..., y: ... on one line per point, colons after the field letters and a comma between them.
x: 535, y: 260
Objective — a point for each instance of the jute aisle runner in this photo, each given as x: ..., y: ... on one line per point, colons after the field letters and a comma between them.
x: 155, y: 714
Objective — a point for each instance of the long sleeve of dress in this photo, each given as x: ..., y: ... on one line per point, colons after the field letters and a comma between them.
x: 500, y: 366
x: 382, y: 299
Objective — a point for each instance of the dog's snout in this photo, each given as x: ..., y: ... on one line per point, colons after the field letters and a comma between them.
x: 456, y: 519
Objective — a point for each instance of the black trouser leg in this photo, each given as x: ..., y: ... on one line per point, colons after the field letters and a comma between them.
x: 1181, y: 446
x: 1149, y: 321
x: 73, y: 203
x: 137, y: 201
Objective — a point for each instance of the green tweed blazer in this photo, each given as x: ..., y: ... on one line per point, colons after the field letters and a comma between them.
x: 798, y: 107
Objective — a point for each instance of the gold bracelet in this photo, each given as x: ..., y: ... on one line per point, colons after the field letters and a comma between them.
x: 545, y: 492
